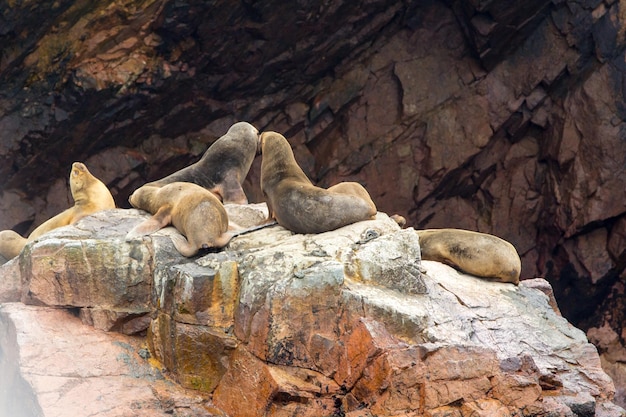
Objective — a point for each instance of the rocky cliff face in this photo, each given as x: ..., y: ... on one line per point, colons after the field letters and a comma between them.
x: 345, y: 323
x: 491, y: 116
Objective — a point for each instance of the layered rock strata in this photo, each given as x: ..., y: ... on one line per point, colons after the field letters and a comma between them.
x: 501, y: 117
x: 349, y: 322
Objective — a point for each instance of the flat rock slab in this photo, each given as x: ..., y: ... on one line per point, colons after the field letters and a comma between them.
x: 80, y: 371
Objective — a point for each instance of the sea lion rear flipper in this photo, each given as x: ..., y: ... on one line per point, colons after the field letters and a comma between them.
x: 157, y: 222
x: 182, y: 245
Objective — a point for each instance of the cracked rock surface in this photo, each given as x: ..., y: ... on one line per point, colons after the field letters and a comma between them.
x: 495, y: 116
x: 350, y: 321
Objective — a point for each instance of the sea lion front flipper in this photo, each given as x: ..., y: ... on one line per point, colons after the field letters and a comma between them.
x: 229, y: 191
x: 161, y: 218
x: 270, y: 211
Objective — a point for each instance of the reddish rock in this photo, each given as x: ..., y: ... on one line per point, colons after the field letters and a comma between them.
x: 247, y: 388
x: 502, y: 118
x: 79, y: 371
x: 281, y: 324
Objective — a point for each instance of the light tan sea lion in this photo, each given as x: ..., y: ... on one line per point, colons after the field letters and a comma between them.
x: 296, y: 203
x: 11, y: 244
x: 224, y: 166
x: 193, y: 210
x: 475, y: 253
x: 90, y: 195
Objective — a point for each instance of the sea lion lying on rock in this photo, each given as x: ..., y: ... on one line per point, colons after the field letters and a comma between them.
x: 90, y: 195
x: 193, y: 210
x: 224, y: 166
x: 296, y: 203
x: 197, y: 214
x: 474, y: 253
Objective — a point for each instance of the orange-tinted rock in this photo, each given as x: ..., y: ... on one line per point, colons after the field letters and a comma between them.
x: 282, y: 324
x: 196, y: 356
x: 507, y: 120
x: 79, y: 371
x: 516, y: 391
x: 205, y: 296
x: 367, y: 340
x: 247, y: 388
x: 201, y: 356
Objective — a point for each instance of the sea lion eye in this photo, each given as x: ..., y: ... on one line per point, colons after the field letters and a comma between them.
x: 369, y: 234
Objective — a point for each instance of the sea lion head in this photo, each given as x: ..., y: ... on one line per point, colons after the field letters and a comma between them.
x: 132, y: 199
x: 278, y: 163
x: 89, y: 190
x: 263, y: 137
x: 275, y: 145
x: 79, y: 177
x: 278, y: 156
x: 278, y: 160
x: 245, y: 131
x: 139, y: 197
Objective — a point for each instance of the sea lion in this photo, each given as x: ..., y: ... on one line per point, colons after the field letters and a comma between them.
x: 224, y: 166
x: 296, y: 203
x: 90, y: 195
x: 11, y: 244
x: 193, y: 210
x: 474, y: 253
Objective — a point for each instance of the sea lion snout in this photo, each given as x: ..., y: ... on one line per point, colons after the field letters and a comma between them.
x: 78, y: 167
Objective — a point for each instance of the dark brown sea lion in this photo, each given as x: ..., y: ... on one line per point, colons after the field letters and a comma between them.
x: 193, y: 210
x: 90, y: 195
x: 474, y: 253
x: 224, y: 166
x: 296, y: 203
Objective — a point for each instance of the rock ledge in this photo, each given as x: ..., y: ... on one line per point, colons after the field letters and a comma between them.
x: 350, y: 322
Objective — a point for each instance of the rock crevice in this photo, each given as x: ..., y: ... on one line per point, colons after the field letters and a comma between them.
x: 350, y: 321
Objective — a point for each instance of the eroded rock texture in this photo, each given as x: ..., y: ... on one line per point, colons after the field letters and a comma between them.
x: 349, y: 322
x: 491, y: 116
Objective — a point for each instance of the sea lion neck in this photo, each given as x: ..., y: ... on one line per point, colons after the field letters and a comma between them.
x: 279, y: 160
